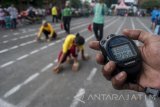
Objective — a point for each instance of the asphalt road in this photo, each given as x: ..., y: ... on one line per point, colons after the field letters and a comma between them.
x: 27, y: 80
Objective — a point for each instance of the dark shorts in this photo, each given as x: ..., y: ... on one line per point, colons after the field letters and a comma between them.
x: 153, y: 20
x: 72, y: 52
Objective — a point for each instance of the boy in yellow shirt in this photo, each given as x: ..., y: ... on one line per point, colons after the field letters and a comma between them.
x: 72, y: 45
x: 48, y: 31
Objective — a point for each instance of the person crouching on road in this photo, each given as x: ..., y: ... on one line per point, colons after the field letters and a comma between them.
x: 72, y: 45
x: 48, y: 31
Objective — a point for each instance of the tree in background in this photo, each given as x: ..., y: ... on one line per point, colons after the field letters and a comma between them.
x: 150, y: 4
x: 76, y: 3
x: 110, y: 2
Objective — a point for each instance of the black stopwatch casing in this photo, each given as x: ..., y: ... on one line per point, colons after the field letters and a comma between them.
x: 124, y: 52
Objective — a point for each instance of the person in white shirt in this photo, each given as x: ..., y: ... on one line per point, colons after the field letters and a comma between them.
x: 13, y: 14
x: 2, y: 17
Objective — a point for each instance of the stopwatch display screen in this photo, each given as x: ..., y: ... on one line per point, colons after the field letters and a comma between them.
x: 122, y: 52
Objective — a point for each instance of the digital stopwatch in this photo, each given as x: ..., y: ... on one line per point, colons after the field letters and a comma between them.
x: 124, y: 52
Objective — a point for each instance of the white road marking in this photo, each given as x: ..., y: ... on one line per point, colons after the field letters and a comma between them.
x: 121, y: 26
x: 2, y: 51
x: 87, y: 39
x: 5, y: 36
x: 7, y: 64
x: 25, y: 102
x: 5, y: 41
x: 14, y: 47
x: 23, y: 44
x: 15, y: 33
x: 18, y: 87
x: 44, y: 47
x: 144, y: 25
x: 12, y: 91
x: 30, y: 42
x: 31, y: 78
x: 91, y: 75
x: 58, y: 41
x: 149, y: 102
x: 78, y: 98
x: 133, y: 26
x: 51, y: 44
x: 47, y: 67
x: 5, y: 104
x: 22, y: 57
x: 35, y: 51
x: 22, y: 37
x: 14, y: 39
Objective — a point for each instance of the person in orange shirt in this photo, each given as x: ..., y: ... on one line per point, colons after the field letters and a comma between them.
x: 72, y: 45
x: 48, y: 31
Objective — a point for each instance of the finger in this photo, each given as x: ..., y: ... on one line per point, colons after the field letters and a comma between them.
x: 137, y: 35
x: 94, y: 45
x: 118, y: 81
x: 100, y: 59
x: 108, y: 69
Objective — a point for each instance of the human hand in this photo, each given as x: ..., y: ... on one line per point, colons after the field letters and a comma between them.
x: 150, y: 52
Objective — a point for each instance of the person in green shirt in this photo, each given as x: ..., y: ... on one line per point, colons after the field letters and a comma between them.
x: 66, y: 17
x: 98, y: 20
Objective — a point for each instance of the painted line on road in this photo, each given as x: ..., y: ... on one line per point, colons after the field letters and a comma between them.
x: 5, y: 104
x: 12, y: 91
x: 121, y: 26
x: 18, y: 87
x: 31, y: 78
x: 5, y: 41
x: 144, y: 25
x: 133, y: 27
x: 2, y: 51
x: 25, y: 102
x: 14, y: 47
x: 78, y: 98
x: 33, y: 52
x: 92, y: 74
x: 5, y: 36
x: 22, y: 57
x: 44, y: 47
x: 15, y: 34
x: 47, y: 67
x: 7, y: 64
x: 14, y: 39
x: 17, y: 46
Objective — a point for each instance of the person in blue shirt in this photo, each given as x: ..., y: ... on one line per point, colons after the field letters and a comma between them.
x: 157, y: 25
x: 154, y: 13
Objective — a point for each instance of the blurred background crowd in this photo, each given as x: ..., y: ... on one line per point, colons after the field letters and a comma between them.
x: 22, y: 12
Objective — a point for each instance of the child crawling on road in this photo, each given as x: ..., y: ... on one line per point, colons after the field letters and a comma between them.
x: 72, y: 45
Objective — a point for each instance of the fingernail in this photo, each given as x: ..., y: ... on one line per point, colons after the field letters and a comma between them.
x: 120, y: 76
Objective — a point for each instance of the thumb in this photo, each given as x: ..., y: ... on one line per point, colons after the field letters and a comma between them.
x: 138, y: 35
